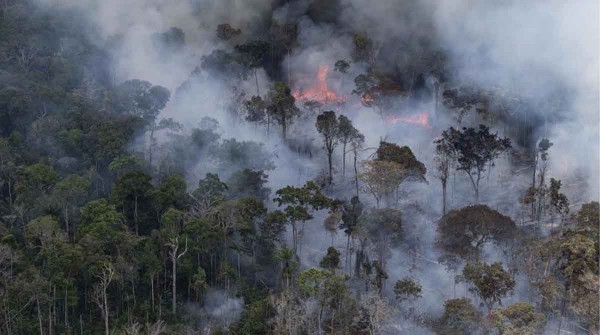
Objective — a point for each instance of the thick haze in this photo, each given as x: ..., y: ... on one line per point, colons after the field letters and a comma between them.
x: 538, y: 49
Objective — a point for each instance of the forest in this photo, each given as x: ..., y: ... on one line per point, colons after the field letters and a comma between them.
x: 299, y: 167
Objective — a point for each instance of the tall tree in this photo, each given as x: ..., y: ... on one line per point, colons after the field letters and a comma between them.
x: 346, y: 134
x: 443, y: 160
x: 299, y: 202
x: 462, y: 232
x: 356, y: 143
x: 474, y: 150
x: 328, y: 126
x: 282, y: 106
x: 490, y: 282
x: 254, y: 54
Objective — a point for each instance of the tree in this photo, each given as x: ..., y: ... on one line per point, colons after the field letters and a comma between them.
x: 518, y: 318
x: 175, y: 255
x: 464, y: 231
x: 132, y: 193
x: 443, y: 159
x: 171, y: 193
x: 287, y: 258
x: 328, y: 126
x: 474, y: 150
x: 391, y: 167
x: 341, y: 66
x: 298, y: 202
x: 490, y: 282
x: 248, y: 183
x: 210, y: 192
x: 403, y: 156
x: 376, y: 311
x: 356, y: 143
x: 254, y: 54
x: 226, y: 32
x: 40, y: 177
x: 460, y: 317
x: 71, y: 193
x: 256, y: 111
x: 588, y: 217
x: 105, y: 275
x: 541, y: 160
x: 351, y: 213
x: 282, y: 106
x: 346, y: 134
x: 142, y: 99
x: 381, y: 178
x: 407, y: 288
x: 559, y: 203
x: 331, y: 260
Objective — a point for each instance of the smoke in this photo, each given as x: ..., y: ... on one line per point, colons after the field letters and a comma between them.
x: 218, y: 310
x: 544, y: 53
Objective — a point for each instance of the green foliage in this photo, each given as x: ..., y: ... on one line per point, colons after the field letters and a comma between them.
x: 404, y: 157
x: 518, y: 318
x: 407, y: 288
x: 588, y: 217
x: 474, y: 149
x: 282, y: 106
x: 40, y: 177
x: 460, y: 317
x: 490, y: 282
x: 462, y: 232
x: 248, y: 183
x: 331, y: 260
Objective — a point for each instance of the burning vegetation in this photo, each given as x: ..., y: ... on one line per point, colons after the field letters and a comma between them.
x: 421, y: 119
x: 319, y: 90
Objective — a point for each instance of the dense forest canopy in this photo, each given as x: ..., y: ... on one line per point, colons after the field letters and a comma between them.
x: 299, y: 167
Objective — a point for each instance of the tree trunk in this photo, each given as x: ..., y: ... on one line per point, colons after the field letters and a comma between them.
x: 356, y: 174
x: 174, y: 285
x: 39, y: 314
x: 329, y: 161
x: 152, y: 290
x: 444, y: 192
x: 105, y: 299
x: 135, y: 215
x: 344, y: 160
x: 256, y: 78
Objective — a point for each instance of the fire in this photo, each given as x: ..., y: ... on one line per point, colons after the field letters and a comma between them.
x: 421, y: 119
x: 320, y: 91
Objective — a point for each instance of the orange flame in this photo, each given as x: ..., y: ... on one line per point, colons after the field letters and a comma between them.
x: 320, y: 91
x: 421, y: 119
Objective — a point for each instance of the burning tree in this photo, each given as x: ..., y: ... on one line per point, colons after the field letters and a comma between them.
x: 474, y: 150
x: 376, y: 90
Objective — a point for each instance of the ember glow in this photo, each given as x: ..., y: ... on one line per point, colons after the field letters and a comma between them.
x: 421, y: 119
x: 320, y: 91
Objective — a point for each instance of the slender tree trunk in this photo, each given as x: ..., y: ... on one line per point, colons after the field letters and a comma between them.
x: 444, y: 192
x: 105, y: 299
x: 66, y: 307
x: 174, y: 285
x: 152, y: 290
x: 356, y: 174
x: 256, y: 78
x: 135, y: 215
x: 344, y: 160
x: 329, y: 161
x: 39, y: 314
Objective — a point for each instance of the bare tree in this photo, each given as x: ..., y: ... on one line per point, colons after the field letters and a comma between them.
x: 175, y: 256
x: 105, y: 275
